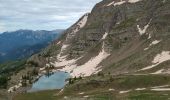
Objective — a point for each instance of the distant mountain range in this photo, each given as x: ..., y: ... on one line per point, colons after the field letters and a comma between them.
x: 23, y: 43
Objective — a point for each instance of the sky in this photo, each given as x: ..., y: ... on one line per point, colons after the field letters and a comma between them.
x: 42, y: 14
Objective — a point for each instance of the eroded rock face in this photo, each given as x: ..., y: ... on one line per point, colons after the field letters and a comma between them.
x: 121, y: 29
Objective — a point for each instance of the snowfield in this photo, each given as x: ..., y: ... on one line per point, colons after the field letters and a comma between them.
x: 133, y: 1
x: 77, y: 27
x: 119, y: 3
x: 140, y: 89
x: 153, y: 43
x: 159, y: 58
x: 122, y: 2
x: 62, y: 59
x: 143, y: 31
x: 121, y: 92
x: 112, y: 3
x: 159, y: 71
x: 161, y: 89
x: 87, y: 69
x: 104, y: 36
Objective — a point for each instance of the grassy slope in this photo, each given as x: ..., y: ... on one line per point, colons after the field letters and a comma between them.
x: 97, y: 88
x: 12, y: 66
x: 6, y: 70
x: 43, y: 95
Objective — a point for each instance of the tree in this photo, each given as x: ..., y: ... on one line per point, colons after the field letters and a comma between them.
x: 71, y: 81
x: 100, y: 74
x: 75, y: 78
x: 35, y: 71
x: 3, y: 81
x: 80, y: 77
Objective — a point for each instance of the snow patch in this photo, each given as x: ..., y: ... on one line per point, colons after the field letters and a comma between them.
x: 143, y: 31
x: 59, y: 42
x: 153, y: 43
x: 81, y: 93
x: 149, y: 37
x: 64, y: 47
x: 104, y: 36
x: 159, y: 58
x: 111, y: 89
x: 78, y: 26
x: 86, y: 96
x: 158, y: 72
x: 146, y: 48
x: 119, y: 3
x: 161, y: 89
x: 164, y: 56
x: 82, y: 23
x: 140, y: 89
x: 87, y: 69
x: 90, y: 67
x: 121, y: 92
x: 117, y: 23
x: 162, y: 86
x: 65, y: 97
x: 64, y: 62
x: 62, y: 58
x: 41, y: 69
x: 111, y: 3
x: 122, y: 2
x: 14, y: 88
x: 133, y: 1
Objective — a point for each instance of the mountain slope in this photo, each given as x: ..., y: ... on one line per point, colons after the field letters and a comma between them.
x: 24, y: 43
x: 117, y: 36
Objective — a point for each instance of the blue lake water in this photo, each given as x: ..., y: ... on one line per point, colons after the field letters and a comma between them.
x: 54, y: 81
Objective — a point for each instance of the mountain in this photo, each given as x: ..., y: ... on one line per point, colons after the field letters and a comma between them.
x: 24, y: 43
x: 126, y: 36
x: 121, y: 49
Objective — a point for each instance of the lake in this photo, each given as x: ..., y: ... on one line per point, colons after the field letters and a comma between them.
x: 54, y: 81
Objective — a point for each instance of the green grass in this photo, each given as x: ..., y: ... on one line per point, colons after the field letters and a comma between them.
x: 100, y: 95
x: 149, y: 95
x: 143, y: 81
x: 3, y: 96
x: 12, y: 66
x: 43, y: 95
x: 98, y: 90
x: 9, y: 68
x: 119, y: 82
x: 104, y: 96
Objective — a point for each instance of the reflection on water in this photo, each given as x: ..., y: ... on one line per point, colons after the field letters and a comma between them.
x: 50, y: 81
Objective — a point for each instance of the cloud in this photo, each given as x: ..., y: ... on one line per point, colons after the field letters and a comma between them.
x: 42, y: 14
x: 2, y: 27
